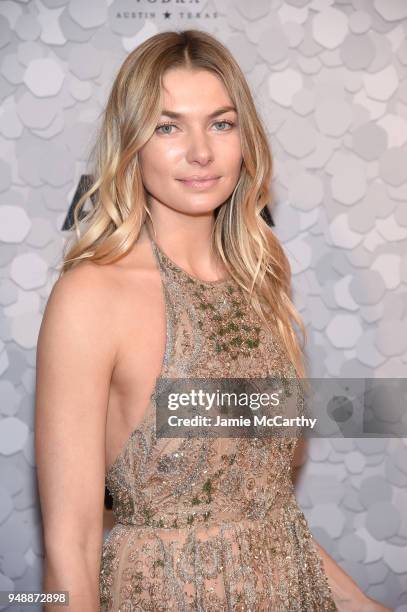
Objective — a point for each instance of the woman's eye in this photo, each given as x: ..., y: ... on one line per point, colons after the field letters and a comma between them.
x: 170, y: 125
x: 229, y: 123
x: 165, y: 125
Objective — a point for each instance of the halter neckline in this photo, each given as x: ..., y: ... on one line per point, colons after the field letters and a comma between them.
x: 220, y: 281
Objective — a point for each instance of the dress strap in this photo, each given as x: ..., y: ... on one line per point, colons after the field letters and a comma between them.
x: 154, y: 246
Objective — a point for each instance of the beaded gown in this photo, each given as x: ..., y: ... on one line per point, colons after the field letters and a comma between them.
x: 209, y: 524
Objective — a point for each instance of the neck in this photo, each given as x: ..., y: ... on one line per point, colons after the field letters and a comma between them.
x: 188, y: 244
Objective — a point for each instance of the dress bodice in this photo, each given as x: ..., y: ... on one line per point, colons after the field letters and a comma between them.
x: 211, y: 332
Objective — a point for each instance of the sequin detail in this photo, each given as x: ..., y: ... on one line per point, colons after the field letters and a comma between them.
x: 209, y: 524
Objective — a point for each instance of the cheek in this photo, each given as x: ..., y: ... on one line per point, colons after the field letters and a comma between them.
x: 157, y: 166
x: 233, y: 165
x: 230, y: 155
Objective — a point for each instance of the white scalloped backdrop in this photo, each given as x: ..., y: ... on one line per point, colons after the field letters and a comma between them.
x: 330, y: 81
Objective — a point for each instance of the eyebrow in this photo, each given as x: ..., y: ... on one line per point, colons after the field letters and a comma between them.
x: 215, y: 113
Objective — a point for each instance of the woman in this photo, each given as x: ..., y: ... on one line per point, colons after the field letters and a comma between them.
x: 173, y: 275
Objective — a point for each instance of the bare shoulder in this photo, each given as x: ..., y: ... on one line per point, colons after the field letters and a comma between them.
x: 127, y: 283
x: 86, y: 283
x: 80, y: 314
x: 103, y: 288
x: 106, y: 297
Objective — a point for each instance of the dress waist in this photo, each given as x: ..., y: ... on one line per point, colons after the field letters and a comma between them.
x: 187, y: 519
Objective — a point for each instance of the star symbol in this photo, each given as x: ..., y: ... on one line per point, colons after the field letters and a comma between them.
x: 167, y: 15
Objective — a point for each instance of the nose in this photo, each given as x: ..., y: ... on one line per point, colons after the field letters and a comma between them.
x: 199, y: 145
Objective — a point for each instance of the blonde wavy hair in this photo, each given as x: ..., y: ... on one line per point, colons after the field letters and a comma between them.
x: 241, y: 237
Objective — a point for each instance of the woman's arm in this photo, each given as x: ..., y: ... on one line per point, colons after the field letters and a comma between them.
x: 346, y: 593
x: 75, y: 358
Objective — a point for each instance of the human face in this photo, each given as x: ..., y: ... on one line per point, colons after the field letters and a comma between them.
x: 195, y: 143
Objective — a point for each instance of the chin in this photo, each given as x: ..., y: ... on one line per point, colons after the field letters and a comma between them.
x: 198, y: 212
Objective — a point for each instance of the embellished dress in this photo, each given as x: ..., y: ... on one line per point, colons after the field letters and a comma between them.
x: 209, y: 524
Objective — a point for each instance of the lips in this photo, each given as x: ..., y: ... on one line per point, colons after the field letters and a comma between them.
x: 195, y: 177
x: 199, y: 183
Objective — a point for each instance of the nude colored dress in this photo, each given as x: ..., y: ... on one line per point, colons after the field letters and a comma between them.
x: 209, y: 524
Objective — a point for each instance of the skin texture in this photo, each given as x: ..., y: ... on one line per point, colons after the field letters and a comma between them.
x: 102, y: 338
